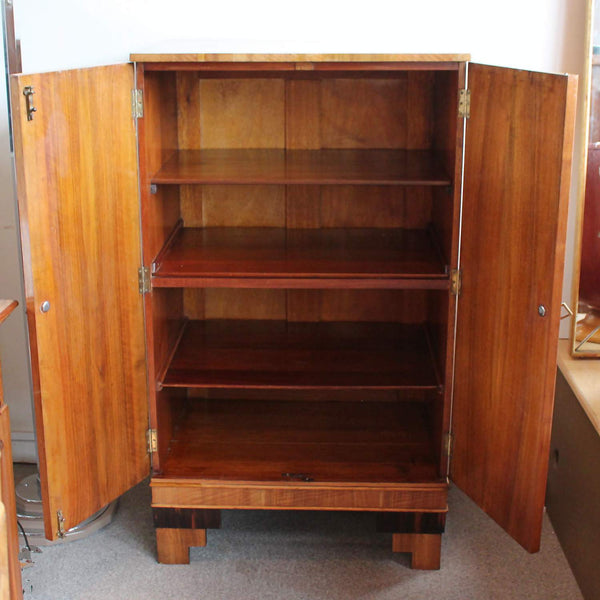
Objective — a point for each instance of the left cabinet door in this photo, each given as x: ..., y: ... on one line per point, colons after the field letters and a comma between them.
x: 78, y: 195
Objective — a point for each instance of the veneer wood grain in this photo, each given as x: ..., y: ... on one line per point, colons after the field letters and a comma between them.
x: 183, y: 493
x: 306, y: 58
x: 300, y: 253
x: 280, y: 355
x: 358, y: 167
x: 515, y: 213
x: 253, y: 440
x: 77, y: 191
x: 173, y: 545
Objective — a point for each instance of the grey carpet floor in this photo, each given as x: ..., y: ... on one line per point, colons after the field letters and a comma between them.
x: 298, y: 556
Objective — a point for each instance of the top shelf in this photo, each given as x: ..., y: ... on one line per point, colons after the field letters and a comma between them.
x: 277, y: 166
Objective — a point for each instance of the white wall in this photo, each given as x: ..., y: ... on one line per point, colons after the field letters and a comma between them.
x: 72, y: 33
x: 534, y: 34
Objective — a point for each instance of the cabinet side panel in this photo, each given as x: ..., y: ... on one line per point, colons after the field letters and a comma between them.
x: 517, y: 167
x: 79, y: 209
x: 7, y: 499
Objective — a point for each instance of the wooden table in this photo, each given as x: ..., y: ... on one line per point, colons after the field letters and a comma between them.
x: 573, y: 493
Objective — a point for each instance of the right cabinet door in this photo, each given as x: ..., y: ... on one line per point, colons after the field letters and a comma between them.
x: 516, y: 185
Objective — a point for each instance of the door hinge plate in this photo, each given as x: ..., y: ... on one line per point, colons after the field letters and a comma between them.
x: 152, y: 440
x: 144, y: 279
x: 137, y: 104
x: 60, y: 521
x: 464, y: 103
x: 455, y: 282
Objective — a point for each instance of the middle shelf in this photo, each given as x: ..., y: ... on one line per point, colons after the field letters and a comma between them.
x: 259, y: 354
x: 279, y: 257
x: 326, y: 166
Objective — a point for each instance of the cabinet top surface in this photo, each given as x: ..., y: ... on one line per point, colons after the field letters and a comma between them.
x: 191, y: 57
x: 583, y: 376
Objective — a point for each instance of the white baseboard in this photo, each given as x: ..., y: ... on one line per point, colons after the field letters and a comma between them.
x: 23, y: 447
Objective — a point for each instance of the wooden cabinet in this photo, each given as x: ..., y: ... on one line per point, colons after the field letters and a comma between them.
x: 350, y: 283
x: 10, y: 567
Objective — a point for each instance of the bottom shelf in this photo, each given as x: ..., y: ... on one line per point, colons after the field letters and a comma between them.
x: 302, y: 441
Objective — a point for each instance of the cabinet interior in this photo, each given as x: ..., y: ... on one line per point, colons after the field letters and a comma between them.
x: 301, y: 227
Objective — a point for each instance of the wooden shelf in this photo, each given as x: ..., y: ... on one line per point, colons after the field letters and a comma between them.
x: 273, y: 257
x: 280, y: 355
x: 275, y: 166
x: 258, y: 441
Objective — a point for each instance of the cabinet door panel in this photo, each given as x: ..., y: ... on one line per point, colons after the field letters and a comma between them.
x: 517, y: 169
x: 79, y: 211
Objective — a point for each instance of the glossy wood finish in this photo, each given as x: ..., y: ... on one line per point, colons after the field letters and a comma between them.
x: 446, y: 215
x: 10, y: 568
x: 307, y: 305
x: 281, y: 355
x: 269, y: 166
x: 425, y: 549
x: 198, y: 493
x: 79, y: 210
x: 245, y: 440
x: 518, y: 148
x: 277, y: 58
x: 312, y: 255
x: 308, y: 206
x: 160, y: 211
x: 4, y: 553
x: 173, y: 545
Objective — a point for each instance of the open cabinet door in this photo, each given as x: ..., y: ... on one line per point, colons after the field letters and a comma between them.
x: 80, y: 227
x: 516, y: 186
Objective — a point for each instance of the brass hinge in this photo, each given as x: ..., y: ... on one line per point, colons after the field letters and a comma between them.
x: 137, y: 104
x: 152, y: 440
x: 455, y: 282
x: 464, y: 104
x: 144, y: 279
x: 448, y: 444
x: 61, y: 524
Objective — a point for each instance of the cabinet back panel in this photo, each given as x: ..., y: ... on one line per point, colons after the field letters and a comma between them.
x: 377, y: 113
x: 375, y: 206
x: 311, y: 206
x: 306, y: 113
x: 402, y: 306
x: 230, y: 113
x: 233, y: 205
x: 261, y: 441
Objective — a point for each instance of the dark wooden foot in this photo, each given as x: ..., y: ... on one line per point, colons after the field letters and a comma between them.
x: 419, y: 534
x: 173, y: 545
x: 425, y: 548
x: 179, y: 529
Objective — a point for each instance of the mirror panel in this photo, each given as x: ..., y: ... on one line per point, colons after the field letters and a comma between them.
x: 586, y: 284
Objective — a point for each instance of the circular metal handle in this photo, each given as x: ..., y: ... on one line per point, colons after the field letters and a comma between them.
x: 542, y: 310
x: 45, y: 306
